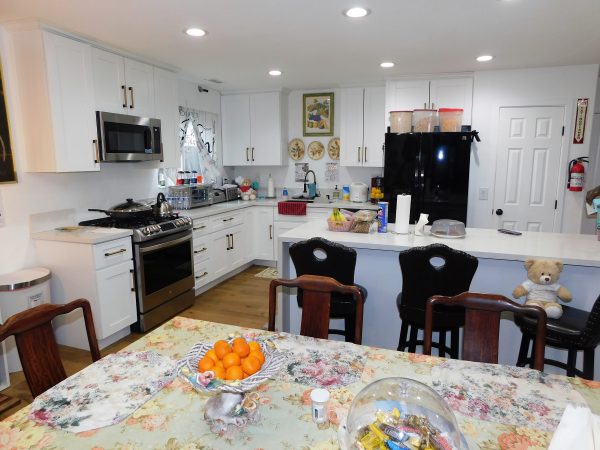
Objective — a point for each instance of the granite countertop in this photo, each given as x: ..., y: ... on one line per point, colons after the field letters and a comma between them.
x: 82, y: 235
x: 573, y: 249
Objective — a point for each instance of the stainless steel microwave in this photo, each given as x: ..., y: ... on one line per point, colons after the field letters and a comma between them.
x: 128, y: 138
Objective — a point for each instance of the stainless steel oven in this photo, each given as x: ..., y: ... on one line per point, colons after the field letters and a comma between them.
x: 164, y: 277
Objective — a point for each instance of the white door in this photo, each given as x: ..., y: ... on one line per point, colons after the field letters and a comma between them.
x: 452, y: 93
x: 167, y: 110
x: 235, y: 129
x: 406, y: 96
x: 263, y: 233
x: 140, y: 88
x: 374, y: 126
x: 265, y: 129
x: 351, y: 128
x: 527, y: 167
x: 109, y: 82
x: 71, y: 91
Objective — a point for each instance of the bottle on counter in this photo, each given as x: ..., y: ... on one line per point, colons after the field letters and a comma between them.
x: 270, y: 188
x: 285, y: 194
x: 194, y: 177
x: 336, y: 193
x: 180, y: 176
x: 346, y: 193
x: 186, y: 177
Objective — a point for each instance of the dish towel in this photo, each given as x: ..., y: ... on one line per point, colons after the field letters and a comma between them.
x: 578, y: 428
x: 105, y: 392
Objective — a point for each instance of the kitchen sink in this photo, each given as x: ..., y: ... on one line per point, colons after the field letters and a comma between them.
x: 311, y: 200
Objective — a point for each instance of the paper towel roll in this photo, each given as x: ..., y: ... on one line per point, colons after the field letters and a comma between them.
x: 402, y: 214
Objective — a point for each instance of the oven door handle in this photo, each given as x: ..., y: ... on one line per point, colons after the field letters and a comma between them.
x: 165, y: 244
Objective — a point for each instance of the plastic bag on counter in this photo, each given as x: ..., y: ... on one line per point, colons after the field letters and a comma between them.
x: 363, y: 221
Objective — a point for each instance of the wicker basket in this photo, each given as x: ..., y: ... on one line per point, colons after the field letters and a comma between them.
x: 274, y: 360
x: 339, y: 226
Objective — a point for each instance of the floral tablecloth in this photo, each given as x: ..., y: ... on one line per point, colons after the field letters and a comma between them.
x: 497, y: 407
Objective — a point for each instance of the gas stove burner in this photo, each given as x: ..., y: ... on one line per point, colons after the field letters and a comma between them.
x: 144, y: 228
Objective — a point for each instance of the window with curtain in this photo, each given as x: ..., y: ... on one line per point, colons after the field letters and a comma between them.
x: 198, y: 142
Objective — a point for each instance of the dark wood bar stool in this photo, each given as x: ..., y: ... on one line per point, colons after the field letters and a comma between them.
x: 318, y: 300
x: 318, y: 256
x: 426, y: 271
x: 482, y: 324
x: 576, y: 330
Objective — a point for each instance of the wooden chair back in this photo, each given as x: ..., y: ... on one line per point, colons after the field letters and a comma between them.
x: 317, y: 291
x: 482, y: 325
x: 37, y: 346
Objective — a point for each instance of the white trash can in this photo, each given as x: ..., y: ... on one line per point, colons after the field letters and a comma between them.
x: 20, y: 291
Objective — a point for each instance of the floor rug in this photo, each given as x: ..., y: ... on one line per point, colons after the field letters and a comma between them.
x: 269, y: 272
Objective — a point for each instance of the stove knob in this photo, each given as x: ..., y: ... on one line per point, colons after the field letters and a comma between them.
x: 146, y: 231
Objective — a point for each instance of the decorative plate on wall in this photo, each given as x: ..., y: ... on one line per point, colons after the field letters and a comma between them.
x: 296, y: 149
x: 333, y: 148
x: 316, y: 150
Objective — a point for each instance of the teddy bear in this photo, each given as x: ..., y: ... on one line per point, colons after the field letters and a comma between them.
x: 542, y: 288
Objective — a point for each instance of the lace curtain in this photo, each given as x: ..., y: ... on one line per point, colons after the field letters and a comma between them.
x: 198, y: 142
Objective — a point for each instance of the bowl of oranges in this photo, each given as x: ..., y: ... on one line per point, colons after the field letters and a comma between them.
x: 235, y: 366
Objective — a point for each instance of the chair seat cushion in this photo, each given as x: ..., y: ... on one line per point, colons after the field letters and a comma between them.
x: 444, y: 318
x: 341, y: 305
x: 562, y: 332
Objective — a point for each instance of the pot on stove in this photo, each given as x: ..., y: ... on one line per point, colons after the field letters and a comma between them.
x: 163, y: 207
x: 127, y: 210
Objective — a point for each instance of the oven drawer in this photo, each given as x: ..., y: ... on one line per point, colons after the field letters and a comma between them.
x: 223, y: 221
x: 201, y: 249
x: 112, y: 252
x: 201, y: 274
x: 201, y: 226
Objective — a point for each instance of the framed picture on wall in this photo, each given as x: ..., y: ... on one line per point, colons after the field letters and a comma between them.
x: 317, y: 114
x: 7, y: 167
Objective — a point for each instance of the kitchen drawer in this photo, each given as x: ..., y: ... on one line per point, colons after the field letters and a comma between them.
x: 201, y: 226
x: 112, y: 252
x: 201, y: 274
x: 201, y: 248
x: 223, y: 221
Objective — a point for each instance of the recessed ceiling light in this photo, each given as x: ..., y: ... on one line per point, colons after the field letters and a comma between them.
x: 484, y: 58
x: 387, y: 65
x: 274, y: 73
x: 357, y: 12
x: 195, y: 32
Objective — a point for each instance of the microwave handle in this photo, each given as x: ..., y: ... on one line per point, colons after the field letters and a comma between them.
x: 148, y: 138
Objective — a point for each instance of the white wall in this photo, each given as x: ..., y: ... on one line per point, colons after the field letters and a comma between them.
x: 554, y: 86
x: 284, y: 176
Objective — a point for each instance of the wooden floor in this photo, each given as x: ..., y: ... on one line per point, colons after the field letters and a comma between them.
x: 242, y: 300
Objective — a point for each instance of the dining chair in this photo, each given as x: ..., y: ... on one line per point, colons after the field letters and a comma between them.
x: 576, y: 330
x: 318, y: 256
x: 318, y: 292
x: 482, y: 324
x: 37, y: 346
x: 426, y: 271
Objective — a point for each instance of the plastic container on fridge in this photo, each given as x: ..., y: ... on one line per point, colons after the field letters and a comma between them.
x: 451, y: 119
x: 424, y: 120
x: 401, y: 121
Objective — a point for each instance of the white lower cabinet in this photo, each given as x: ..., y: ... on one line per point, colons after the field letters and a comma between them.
x: 263, y: 234
x: 113, y: 282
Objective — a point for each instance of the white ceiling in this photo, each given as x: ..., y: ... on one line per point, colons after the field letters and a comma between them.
x: 317, y: 47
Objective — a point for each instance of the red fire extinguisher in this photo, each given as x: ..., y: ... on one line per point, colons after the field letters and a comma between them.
x: 577, y: 174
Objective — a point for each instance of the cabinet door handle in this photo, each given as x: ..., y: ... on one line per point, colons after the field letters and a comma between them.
x: 433, y: 106
x: 247, y: 150
x: 365, y: 154
x: 228, y: 242
x: 201, y: 276
x: 232, y: 246
x: 132, y: 280
x: 203, y: 249
x: 116, y: 252
x: 227, y: 220
x: 271, y: 232
x: 124, y: 96
x: 252, y: 153
x: 131, y: 93
x: 96, y: 151
x: 358, y: 154
x: 201, y: 227
x: 425, y: 105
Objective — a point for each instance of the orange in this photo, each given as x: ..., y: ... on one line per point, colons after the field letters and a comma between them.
x: 238, y: 341
x: 205, y: 364
x: 212, y: 355
x: 231, y: 359
x: 251, y: 365
x: 219, y: 372
x: 258, y: 355
x: 245, y: 376
x: 241, y: 348
x: 219, y: 363
x: 254, y: 346
x: 220, y: 343
x: 222, y: 350
x: 234, y: 373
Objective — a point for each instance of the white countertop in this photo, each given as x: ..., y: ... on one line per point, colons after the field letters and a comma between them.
x: 82, y: 235
x: 573, y: 249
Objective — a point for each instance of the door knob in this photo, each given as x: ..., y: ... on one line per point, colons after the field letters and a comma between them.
x: 499, y: 212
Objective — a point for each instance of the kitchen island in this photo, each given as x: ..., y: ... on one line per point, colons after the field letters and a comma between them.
x: 500, y: 270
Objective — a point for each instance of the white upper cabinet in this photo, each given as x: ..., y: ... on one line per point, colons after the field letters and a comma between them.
x: 167, y: 110
x: 252, y: 129
x: 122, y: 85
x: 55, y: 82
x: 406, y: 95
x: 362, y: 131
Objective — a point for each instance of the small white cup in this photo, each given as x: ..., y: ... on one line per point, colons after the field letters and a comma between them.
x: 319, y: 398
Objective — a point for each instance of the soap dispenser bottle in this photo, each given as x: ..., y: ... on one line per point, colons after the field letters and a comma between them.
x: 336, y: 193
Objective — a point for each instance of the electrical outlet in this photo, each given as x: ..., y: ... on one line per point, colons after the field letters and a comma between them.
x: 483, y: 193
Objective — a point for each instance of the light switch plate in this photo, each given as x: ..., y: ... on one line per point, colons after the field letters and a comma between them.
x: 483, y: 193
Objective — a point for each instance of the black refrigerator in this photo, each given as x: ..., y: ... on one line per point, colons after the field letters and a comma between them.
x: 433, y: 168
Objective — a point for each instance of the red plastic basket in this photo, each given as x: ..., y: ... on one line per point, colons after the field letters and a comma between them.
x: 292, y: 208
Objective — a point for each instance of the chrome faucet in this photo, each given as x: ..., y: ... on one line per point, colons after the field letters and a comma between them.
x: 306, y: 180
